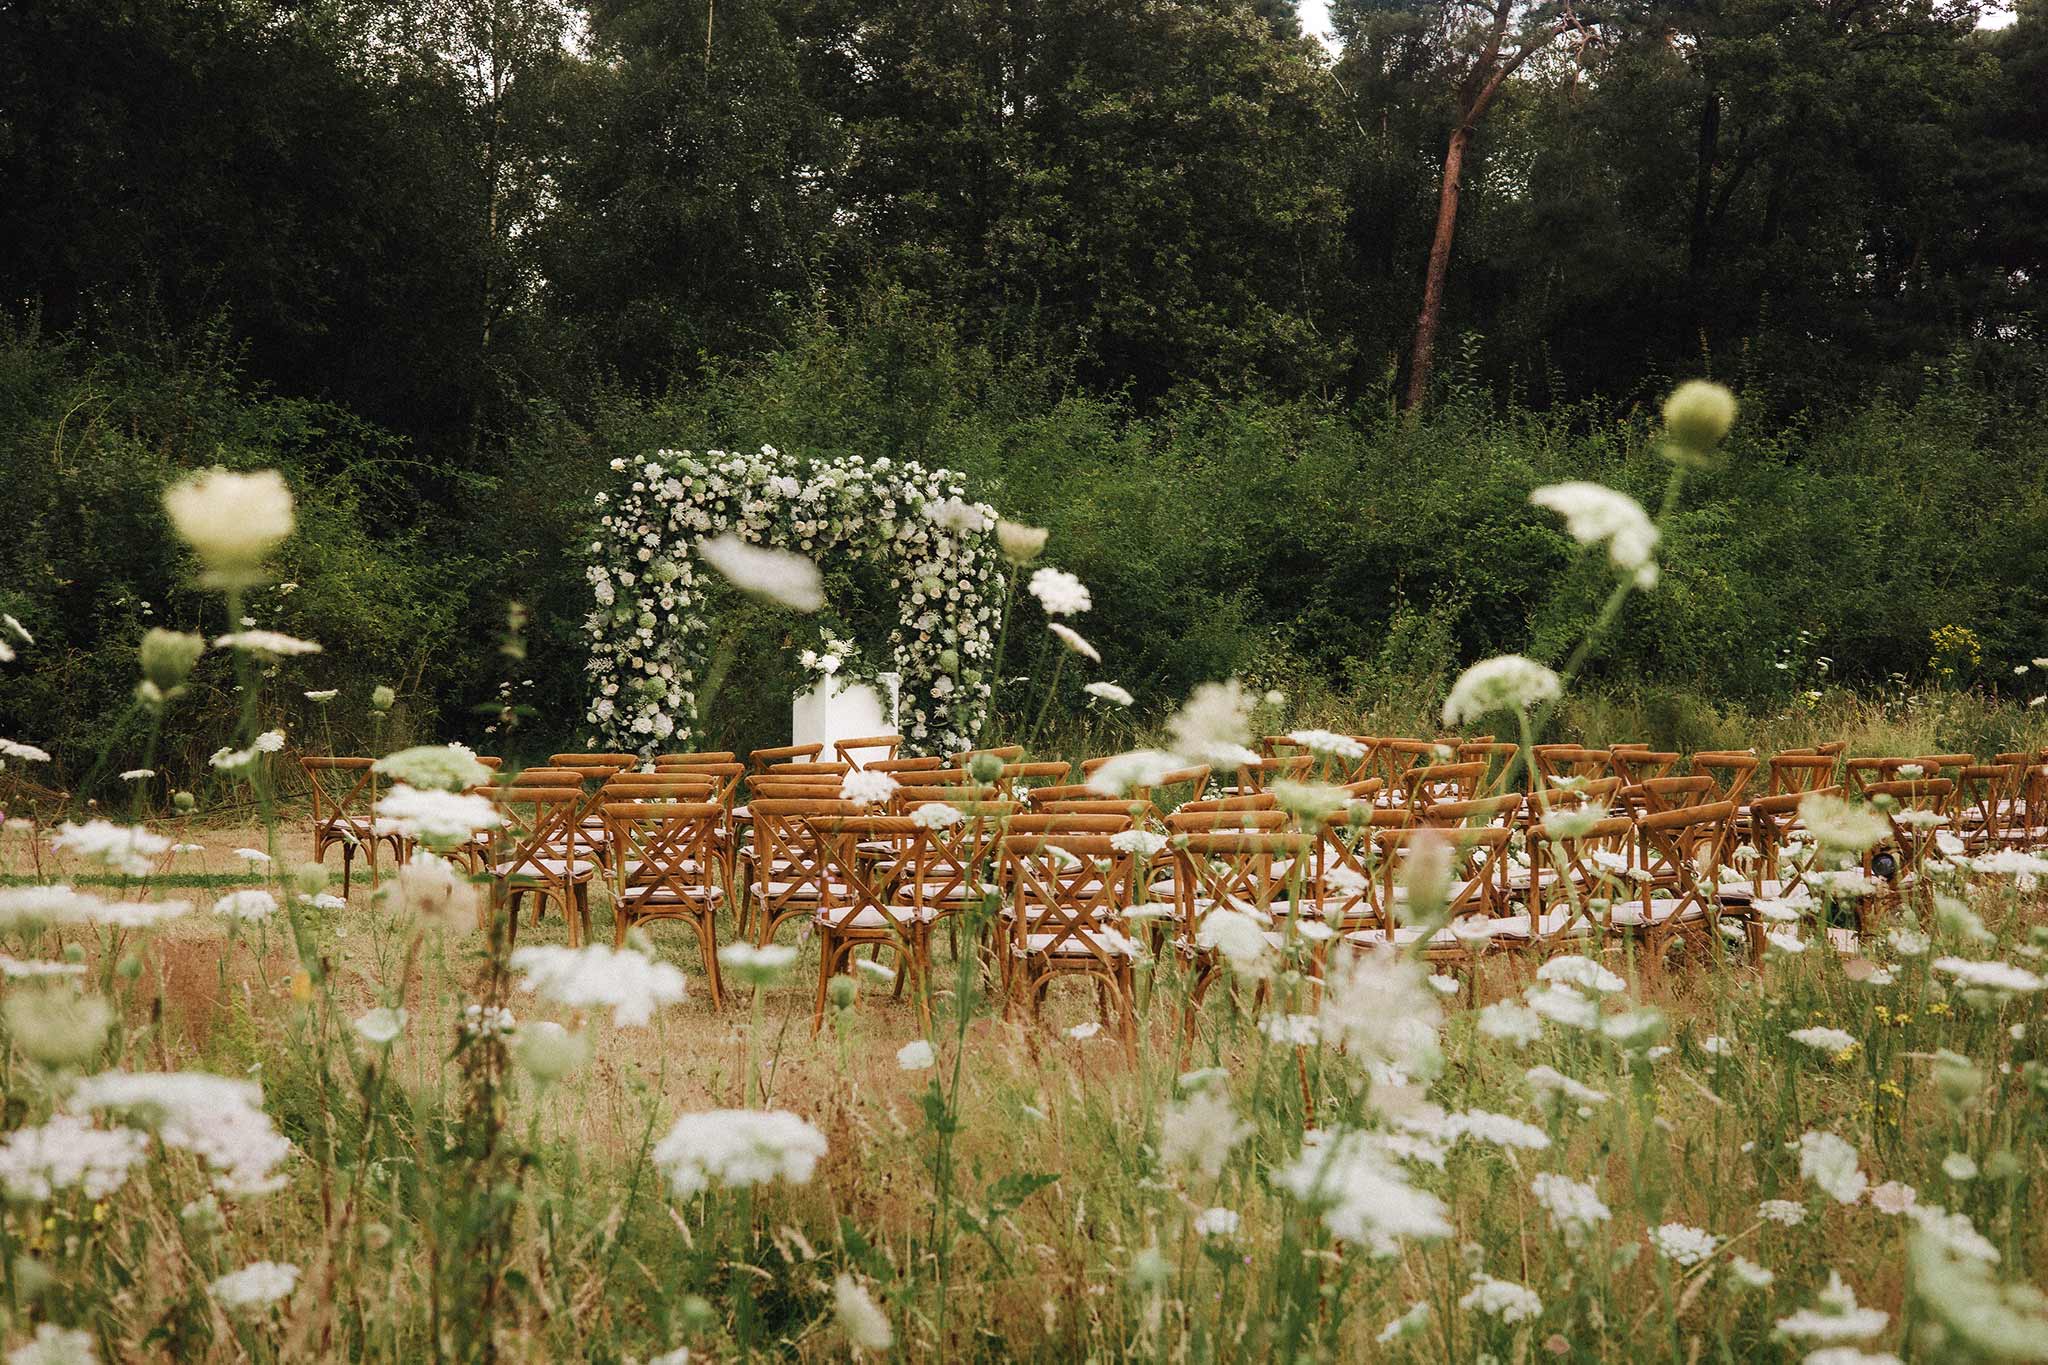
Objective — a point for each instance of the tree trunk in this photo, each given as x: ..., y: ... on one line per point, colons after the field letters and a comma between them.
x: 1703, y: 186
x: 1439, y: 267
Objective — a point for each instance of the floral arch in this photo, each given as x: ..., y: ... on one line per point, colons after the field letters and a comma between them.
x: 649, y: 635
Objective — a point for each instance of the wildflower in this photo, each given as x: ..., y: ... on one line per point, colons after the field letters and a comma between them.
x: 382, y: 699
x: 1144, y: 844
x: 1907, y: 942
x: 1563, y: 1005
x: 1783, y: 1212
x: 1583, y: 973
x: 777, y: 576
x: 1785, y: 941
x: 1959, y: 1167
x: 1081, y: 1033
x: 217, y: 1118
x: 54, y: 1345
x: 1749, y: 1274
x: 271, y: 642
x: 1595, y: 514
x: 1290, y: 1030
x: 1142, y: 768
x: 1832, y: 1041
x: 1830, y: 1163
x: 1503, y: 1299
x: 1553, y: 1088
x: 1200, y: 1131
x: 1507, y: 682
x: 1445, y: 986
x: 1836, y: 1317
x: 323, y: 695
x: 916, y: 1056
x: 14, y: 969
x: 595, y: 976
x: 128, y: 849
x: 548, y: 1051
x: 957, y: 515
x: 1361, y: 1195
x: 1511, y: 1023
x: 763, y: 966
x: 1059, y: 592
x: 1328, y: 744
x: 1893, y: 1197
x: 1714, y: 1045
x: 880, y: 971
x: 864, y: 1324
x: 1378, y: 1004
x: 1213, y: 725
x: 438, y: 819
x: 737, y: 1148
x: 1574, y: 1208
x: 2000, y: 978
x: 138, y: 774
x: 1238, y: 938
x: 230, y: 520
x: 1216, y: 1223
x: 1840, y: 825
x: 255, y: 1286
x: 168, y: 657
x: 248, y: 906
x: 255, y: 857
x: 1309, y: 802
x: 1698, y: 414
x: 1020, y: 543
x: 1954, y: 1232
x: 865, y: 788
x: 1683, y: 1245
x: 380, y: 1026
x: 1073, y: 639
x: 1109, y: 692
x: 434, y: 767
x: 68, y: 1152
x: 1410, y: 1323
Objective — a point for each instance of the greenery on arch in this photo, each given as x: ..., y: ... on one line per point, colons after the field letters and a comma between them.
x: 650, y: 631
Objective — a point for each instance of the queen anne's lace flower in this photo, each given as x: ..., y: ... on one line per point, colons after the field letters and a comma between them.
x: 865, y: 1325
x: 1683, y: 1245
x: 736, y: 1148
x: 1503, y: 1299
x: 1109, y: 692
x: 1361, y: 1194
x: 2001, y: 978
x: 1597, y: 515
x: 1574, y: 1209
x: 128, y: 849
x: 1507, y: 682
x: 1830, y: 1163
x: 1059, y: 592
x: 864, y: 788
x: 256, y: 1286
x: 249, y: 906
x: 595, y: 976
x: 1200, y: 1131
x: 438, y: 819
x: 231, y: 520
x: 218, y: 1118
x: 787, y: 580
x: 1835, y: 1317
x: 68, y: 1152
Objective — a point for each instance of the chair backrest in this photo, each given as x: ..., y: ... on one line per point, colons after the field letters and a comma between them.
x: 1573, y: 871
x: 1482, y: 849
x: 1571, y: 760
x: 761, y: 760
x: 1195, y: 779
x: 1479, y: 812
x: 1257, y: 777
x: 1635, y: 766
x: 1216, y: 821
x: 1676, y: 793
x: 611, y: 761
x: 343, y: 792
x: 856, y: 884
x: 664, y: 850
x: 897, y: 767
x: 1065, y: 891
x: 1499, y: 758
x: 1793, y: 774
x: 1390, y: 757
x: 1988, y: 795
x: 791, y: 789
x: 548, y: 777
x: 800, y: 768
x: 1431, y: 784
x: 1261, y: 871
x: 543, y: 838
x: 908, y: 798
x: 1008, y: 753
x: 1682, y: 852
x: 718, y: 756
x: 789, y: 873
x: 1731, y: 770
x: 884, y: 745
x: 642, y: 787
x: 1057, y: 823
x: 1257, y: 801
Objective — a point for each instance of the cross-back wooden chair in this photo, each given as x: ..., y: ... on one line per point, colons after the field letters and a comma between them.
x: 1194, y: 780
x: 1477, y: 894
x: 1636, y: 766
x: 1260, y: 776
x: 760, y: 760
x: 1570, y: 760
x: 697, y: 759
x: 786, y: 877
x: 542, y: 853
x: 667, y: 862
x: 1018, y: 777
x: 1347, y: 866
x: 902, y: 768
x: 1675, y: 793
x: 866, y: 906
x: 1578, y: 877
x: 1499, y: 758
x: 862, y: 749
x: 1065, y: 895
x: 1731, y: 770
x: 1390, y: 757
x: 1007, y: 753
x: 1682, y: 852
x: 1257, y: 801
x: 1917, y: 810
x: 1432, y: 784
x: 613, y: 761
x: 1986, y: 805
x: 1498, y: 811
x: 1775, y: 873
x: 1795, y: 774
x: 343, y: 792
x: 1268, y: 875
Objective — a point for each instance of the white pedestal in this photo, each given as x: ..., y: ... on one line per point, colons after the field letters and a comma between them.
x: 833, y: 711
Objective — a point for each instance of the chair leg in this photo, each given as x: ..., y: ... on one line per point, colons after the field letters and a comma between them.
x: 707, y: 936
x: 348, y: 853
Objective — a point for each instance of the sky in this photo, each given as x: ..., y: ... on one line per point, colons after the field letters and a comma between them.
x: 1315, y: 17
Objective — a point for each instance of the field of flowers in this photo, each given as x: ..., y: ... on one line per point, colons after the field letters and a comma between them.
x: 248, y: 1116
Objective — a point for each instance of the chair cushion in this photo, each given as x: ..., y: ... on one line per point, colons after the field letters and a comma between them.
x: 872, y: 919
x: 535, y: 868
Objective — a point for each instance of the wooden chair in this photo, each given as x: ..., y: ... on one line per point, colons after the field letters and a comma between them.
x: 1682, y: 852
x: 1577, y: 879
x: 613, y: 761
x: 1795, y: 774
x: 542, y: 854
x: 785, y: 875
x: 1423, y: 786
x: 667, y: 861
x: 1266, y: 874
x: 760, y: 760
x: 861, y: 907
x: 1987, y: 805
x: 1477, y: 895
x: 1731, y: 770
x: 898, y: 768
x: 1636, y: 766
x: 845, y: 749
x: 343, y: 792
x: 1065, y: 893
x: 1499, y: 758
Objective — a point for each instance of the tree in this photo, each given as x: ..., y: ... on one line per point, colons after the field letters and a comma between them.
x: 1480, y: 27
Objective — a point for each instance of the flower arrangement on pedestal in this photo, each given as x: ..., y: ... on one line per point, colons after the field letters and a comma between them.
x: 649, y: 633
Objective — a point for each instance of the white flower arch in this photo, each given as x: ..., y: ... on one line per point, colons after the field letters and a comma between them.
x: 649, y: 635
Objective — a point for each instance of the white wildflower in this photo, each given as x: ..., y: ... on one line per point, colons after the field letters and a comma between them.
x: 1059, y: 592
x: 595, y: 976
x: 777, y: 576
x: 1507, y: 682
x: 736, y: 1148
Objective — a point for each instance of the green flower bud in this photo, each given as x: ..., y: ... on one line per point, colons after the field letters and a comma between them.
x: 309, y: 879
x: 549, y: 1052
x: 1020, y: 543
x: 382, y: 698
x: 185, y: 802
x: 129, y: 967
x: 985, y: 769
x: 168, y: 657
x: 57, y: 1028
x: 840, y: 991
x: 1698, y: 415
x: 949, y: 661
